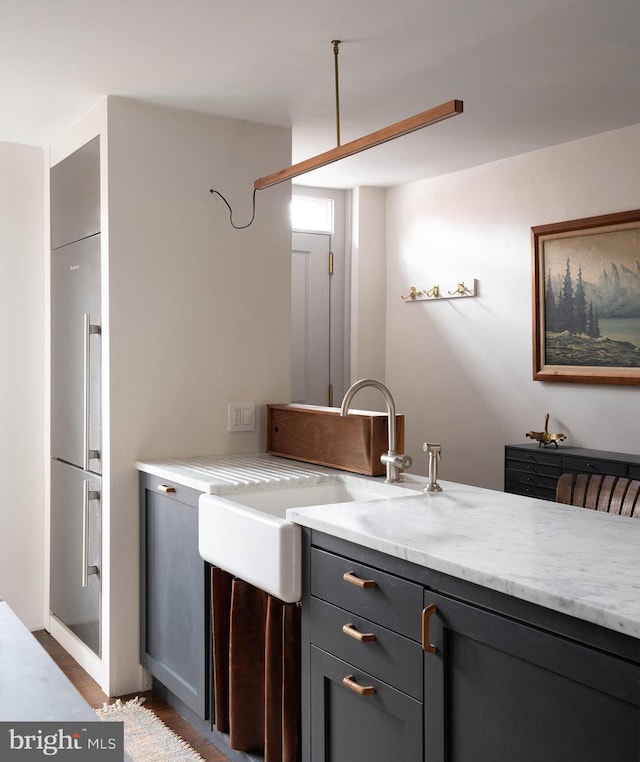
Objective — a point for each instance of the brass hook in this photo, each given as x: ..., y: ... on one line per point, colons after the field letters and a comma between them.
x: 434, y: 292
x: 413, y: 293
x: 462, y: 289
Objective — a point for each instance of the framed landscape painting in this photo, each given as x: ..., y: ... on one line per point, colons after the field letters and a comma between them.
x: 586, y: 300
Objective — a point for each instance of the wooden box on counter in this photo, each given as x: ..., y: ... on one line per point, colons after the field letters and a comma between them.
x: 322, y: 436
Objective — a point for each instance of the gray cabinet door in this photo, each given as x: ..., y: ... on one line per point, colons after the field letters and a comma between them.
x: 75, y: 350
x: 345, y: 725
x: 174, y: 603
x: 496, y: 689
x: 76, y: 606
x: 75, y: 195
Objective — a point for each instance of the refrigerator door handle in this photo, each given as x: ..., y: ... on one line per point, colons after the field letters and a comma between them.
x: 88, y: 495
x: 88, y: 454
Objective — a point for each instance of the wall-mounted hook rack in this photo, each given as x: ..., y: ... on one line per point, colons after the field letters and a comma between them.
x: 459, y: 290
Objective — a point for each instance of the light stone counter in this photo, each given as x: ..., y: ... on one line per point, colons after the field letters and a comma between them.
x: 575, y: 561
x: 218, y: 474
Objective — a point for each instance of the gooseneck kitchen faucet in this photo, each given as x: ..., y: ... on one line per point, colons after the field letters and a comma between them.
x: 392, y: 460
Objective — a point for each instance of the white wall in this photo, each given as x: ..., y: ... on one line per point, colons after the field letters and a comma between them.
x: 461, y: 370
x: 368, y: 292
x: 22, y: 362
x: 198, y: 313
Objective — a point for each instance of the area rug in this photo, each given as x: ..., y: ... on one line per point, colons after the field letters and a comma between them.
x: 147, y: 738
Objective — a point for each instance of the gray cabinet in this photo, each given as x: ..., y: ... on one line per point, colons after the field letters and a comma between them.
x: 500, y: 689
x: 486, y: 678
x: 75, y: 195
x: 534, y: 471
x: 365, y: 662
x: 175, y: 608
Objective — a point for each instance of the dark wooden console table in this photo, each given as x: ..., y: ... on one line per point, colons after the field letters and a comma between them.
x: 534, y: 471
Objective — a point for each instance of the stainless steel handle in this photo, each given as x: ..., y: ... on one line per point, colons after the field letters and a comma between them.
x: 87, y: 496
x: 87, y: 454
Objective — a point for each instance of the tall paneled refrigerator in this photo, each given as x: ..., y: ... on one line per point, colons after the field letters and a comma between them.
x: 75, y: 588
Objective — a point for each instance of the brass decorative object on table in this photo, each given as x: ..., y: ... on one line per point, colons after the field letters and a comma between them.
x: 544, y: 437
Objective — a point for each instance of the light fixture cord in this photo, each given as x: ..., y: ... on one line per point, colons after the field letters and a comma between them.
x: 336, y: 50
x: 228, y: 205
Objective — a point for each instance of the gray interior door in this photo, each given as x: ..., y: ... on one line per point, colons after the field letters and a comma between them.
x: 310, y: 318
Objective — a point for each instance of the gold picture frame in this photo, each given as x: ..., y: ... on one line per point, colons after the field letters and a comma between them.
x: 586, y: 300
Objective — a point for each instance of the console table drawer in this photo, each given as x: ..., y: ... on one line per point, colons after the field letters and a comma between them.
x: 571, y: 464
x: 532, y: 457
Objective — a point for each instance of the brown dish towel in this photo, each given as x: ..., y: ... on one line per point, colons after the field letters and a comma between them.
x: 256, y: 647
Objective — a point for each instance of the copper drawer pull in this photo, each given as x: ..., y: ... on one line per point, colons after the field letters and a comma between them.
x: 165, y: 488
x: 363, y: 637
x: 361, y: 690
x: 357, y: 581
x: 427, y: 645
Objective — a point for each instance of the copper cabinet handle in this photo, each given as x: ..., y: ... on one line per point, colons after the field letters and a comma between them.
x: 361, y: 690
x: 427, y: 645
x: 165, y: 488
x: 363, y: 637
x: 358, y: 581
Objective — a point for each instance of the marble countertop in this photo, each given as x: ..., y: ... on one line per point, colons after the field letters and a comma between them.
x: 218, y: 474
x: 572, y: 560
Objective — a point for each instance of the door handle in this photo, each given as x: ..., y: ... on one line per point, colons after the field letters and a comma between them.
x: 87, y: 454
x: 87, y: 496
x: 427, y: 613
x: 165, y: 488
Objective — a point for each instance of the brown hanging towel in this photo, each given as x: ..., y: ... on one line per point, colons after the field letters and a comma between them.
x: 247, y: 667
x: 291, y: 682
x: 256, y: 670
x: 221, y: 583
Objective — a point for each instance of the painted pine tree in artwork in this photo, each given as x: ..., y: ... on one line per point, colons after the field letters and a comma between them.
x: 550, y: 309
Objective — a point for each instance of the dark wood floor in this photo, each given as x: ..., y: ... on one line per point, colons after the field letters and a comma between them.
x: 94, y: 696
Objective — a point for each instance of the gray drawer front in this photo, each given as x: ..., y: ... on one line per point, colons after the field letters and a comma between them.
x: 394, y: 603
x: 390, y: 657
x: 525, y: 467
x: 532, y: 480
x: 633, y: 472
x: 530, y: 490
x: 592, y: 466
x: 533, y: 457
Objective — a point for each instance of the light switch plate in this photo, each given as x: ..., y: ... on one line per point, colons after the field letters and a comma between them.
x: 242, y: 416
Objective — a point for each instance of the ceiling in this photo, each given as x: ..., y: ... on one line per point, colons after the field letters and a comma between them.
x: 531, y: 73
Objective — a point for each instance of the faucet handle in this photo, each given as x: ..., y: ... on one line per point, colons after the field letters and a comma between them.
x: 398, y: 461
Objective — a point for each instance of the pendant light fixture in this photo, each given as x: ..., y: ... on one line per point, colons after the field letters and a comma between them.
x: 396, y: 130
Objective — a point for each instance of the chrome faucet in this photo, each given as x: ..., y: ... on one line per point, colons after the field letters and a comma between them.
x: 392, y: 460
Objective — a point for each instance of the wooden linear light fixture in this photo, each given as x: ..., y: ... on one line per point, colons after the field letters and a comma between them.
x: 404, y: 127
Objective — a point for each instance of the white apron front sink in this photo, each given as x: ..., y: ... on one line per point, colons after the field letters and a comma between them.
x: 247, y: 533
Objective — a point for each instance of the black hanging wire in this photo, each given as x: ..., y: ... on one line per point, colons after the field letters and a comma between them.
x: 253, y: 213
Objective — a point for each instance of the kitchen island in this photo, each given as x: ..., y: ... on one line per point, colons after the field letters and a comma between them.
x: 494, y: 626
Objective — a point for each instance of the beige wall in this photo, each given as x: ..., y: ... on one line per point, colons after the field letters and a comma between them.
x: 462, y: 369
x: 22, y: 310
